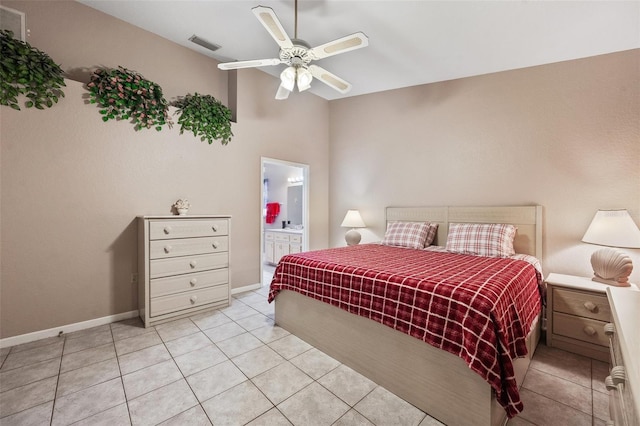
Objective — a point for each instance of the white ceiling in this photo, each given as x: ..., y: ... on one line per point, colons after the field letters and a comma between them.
x: 410, y: 42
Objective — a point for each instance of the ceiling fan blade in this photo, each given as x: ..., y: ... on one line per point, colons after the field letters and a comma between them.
x: 282, y: 93
x: 270, y: 21
x: 330, y: 79
x: 341, y: 45
x: 249, y: 64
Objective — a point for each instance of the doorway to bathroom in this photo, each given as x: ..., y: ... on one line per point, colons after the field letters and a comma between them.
x: 284, y: 212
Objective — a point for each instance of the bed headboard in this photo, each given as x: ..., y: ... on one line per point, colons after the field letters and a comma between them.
x: 528, y: 220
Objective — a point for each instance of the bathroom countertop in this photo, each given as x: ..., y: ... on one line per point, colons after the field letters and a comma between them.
x: 287, y: 230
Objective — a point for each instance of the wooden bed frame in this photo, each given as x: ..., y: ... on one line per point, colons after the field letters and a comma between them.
x: 435, y: 381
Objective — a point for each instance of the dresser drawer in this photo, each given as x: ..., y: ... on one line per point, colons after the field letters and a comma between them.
x: 584, y: 329
x: 181, y: 265
x: 270, y: 236
x: 297, y: 239
x: 179, y: 283
x: 190, y: 299
x: 160, y: 249
x: 185, y: 228
x: 583, y: 304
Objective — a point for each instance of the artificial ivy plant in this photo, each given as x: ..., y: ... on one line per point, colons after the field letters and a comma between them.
x: 204, y: 116
x: 124, y: 94
x: 25, y: 70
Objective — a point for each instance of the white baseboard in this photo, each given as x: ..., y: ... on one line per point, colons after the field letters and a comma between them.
x: 246, y: 288
x: 69, y: 328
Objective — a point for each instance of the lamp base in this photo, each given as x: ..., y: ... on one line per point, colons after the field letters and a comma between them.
x: 352, y: 237
x: 611, y: 267
x: 611, y: 282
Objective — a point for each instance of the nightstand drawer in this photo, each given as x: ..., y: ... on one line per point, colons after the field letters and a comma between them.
x: 584, y: 329
x: 583, y: 304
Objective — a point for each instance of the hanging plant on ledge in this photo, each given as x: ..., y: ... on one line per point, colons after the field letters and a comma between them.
x: 126, y: 95
x: 204, y: 116
x: 25, y: 70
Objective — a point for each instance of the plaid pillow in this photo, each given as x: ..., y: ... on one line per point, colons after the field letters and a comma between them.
x: 431, y: 234
x: 483, y: 239
x: 407, y: 234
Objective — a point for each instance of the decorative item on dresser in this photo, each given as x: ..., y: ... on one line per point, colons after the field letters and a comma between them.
x: 183, y: 265
x: 623, y: 383
x: 278, y: 243
x: 577, y: 311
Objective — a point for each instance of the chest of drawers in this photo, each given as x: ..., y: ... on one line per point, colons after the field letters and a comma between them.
x: 577, y: 310
x: 183, y: 265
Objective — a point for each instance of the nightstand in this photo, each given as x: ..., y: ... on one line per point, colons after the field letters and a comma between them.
x: 577, y: 310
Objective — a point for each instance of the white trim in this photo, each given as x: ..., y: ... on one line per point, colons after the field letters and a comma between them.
x: 246, y: 288
x: 65, y: 329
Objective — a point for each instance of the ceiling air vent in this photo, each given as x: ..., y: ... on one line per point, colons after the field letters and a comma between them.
x: 204, y: 43
x: 13, y: 20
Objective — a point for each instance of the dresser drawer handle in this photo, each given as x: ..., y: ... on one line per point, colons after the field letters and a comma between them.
x: 215, y: 245
x: 618, y: 375
x: 214, y: 228
x: 193, y: 264
x: 167, y: 230
x: 194, y: 299
x: 167, y: 249
x: 589, y: 331
x: 591, y: 307
x: 193, y: 282
x: 609, y: 329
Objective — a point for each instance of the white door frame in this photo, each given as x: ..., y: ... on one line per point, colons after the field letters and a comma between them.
x: 305, y: 205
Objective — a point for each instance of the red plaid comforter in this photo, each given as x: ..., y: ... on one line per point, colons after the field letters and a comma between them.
x: 477, y: 308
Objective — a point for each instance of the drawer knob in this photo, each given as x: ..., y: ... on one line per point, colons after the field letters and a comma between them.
x: 609, y: 329
x: 591, y: 307
x: 193, y: 282
x: 214, y: 228
x: 167, y: 249
x: 608, y: 382
x: 589, y: 331
x: 194, y: 299
x: 167, y: 229
x: 215, y: 245
x: 193, y: 264
x: 618, y: 375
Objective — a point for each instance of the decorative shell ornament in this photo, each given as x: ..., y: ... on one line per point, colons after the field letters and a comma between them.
x: 182, y: 206
x: 611, y: 267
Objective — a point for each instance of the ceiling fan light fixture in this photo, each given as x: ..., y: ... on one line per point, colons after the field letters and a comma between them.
x: 288, y: 78
x: 304, y: 79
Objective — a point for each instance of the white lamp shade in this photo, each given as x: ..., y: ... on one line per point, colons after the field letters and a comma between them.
x: 613, y: 228
x: 304, y: 79
x: 288, y: 78
x: 353, y: 220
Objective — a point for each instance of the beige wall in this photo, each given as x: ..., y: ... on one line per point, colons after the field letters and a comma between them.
x: 566, y: 136
x: 72, y: 185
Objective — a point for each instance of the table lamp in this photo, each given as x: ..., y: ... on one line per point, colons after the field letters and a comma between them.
x: 612, y: 228
x: 353, y: 220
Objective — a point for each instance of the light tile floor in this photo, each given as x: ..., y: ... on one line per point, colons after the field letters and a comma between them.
x: 233, y: 367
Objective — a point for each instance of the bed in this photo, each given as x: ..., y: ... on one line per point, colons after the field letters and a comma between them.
x: 436, y: 381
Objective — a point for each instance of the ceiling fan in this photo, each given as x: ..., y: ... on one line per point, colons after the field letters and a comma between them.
x: 297, y: 55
